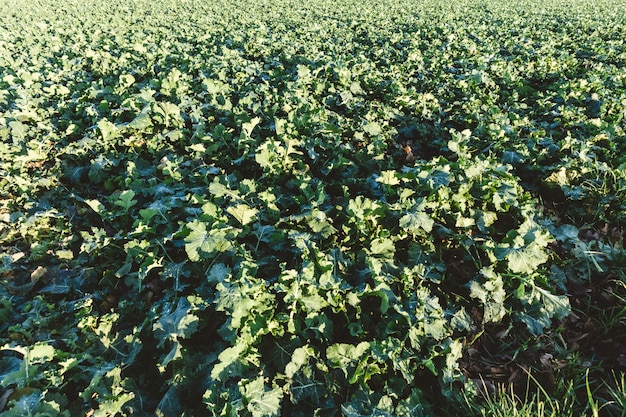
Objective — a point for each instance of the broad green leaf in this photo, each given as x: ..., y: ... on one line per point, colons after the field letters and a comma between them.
x: 416, y: 222
x: 18, y: 129
x: 299, y: 358
x: 262, y: 402
x: 566, y: 232
x: 174, y: 353
x: 243, y: 213
x: 383, y: 247
x: 167, y: 114
x: 199, y: 242
x: 312, y: 301
x: 228, y: 359
x: 147, y: 214
x: 179, y: 323
x: 220, y: 190
x: 126, y: 200
x: 461, y: 320
x: 141, y: 121
x: 126, y: 80
x: 28, y: 405
x: 170, y: 404
x: 555, y: 305
x: 535, y: 325
x: 218, y: 273
x: 505, y: 197
x: 388, y: 178
x: 248, y: 127
x: 526, y: 260
x: 373, y: 128
x: 341, y: 355
x: 39, y: 353
x: 464, y: 222
x: 108, y: 130
x: 413, y: 406
x: 319, y: 223
x: 113, y: 405
x: 368, y: 403
x: 96, y: 206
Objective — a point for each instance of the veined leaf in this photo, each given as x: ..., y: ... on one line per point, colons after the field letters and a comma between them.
x: 170, y: 404
x: 18, y: 129
x: 174, y: 353
x: 299, y: 358
x: 126, y: 200
x: 491, y: 293
x: 383, y: 247
x: 108, y: 130
x: 141, y: 121
x: 199, y: 241
x: 388, y: 178
x: 417, y: 222
x: 505, y: 197
x: 229, y: 359
x: 345, y: 356
x: 262, y: 402
x: 218, y: 273
x: 526, y: 260
x: 243, y: 213
x: 180, y: 323
x: 319, y: 223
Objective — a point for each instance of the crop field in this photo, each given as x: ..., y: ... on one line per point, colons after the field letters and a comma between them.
x: 312, y: 208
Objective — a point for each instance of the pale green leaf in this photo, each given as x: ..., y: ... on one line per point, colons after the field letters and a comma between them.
x: 40, y: 353
x: 491, y: 293
x: 200, y: 242
x: 373, y: 128
x: 526, y: 260
x: 417, y: 222
x: 243, y: 213
x: 299, y: 358
x: 340, y: 355
x: 140, y: 122
x: 383, y: 247
x: 389, y: 177
x: 96, y: 206
x: 229, y: 358
x: 108, y: 130
x: 261, y: 402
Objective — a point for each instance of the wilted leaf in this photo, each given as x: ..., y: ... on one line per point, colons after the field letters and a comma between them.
x: 491, y: 293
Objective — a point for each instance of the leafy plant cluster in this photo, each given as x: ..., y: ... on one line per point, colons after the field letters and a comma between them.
x: 263, y: 208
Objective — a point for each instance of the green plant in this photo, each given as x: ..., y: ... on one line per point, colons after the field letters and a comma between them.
x: 503, y: 400
x: 303, y: 209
